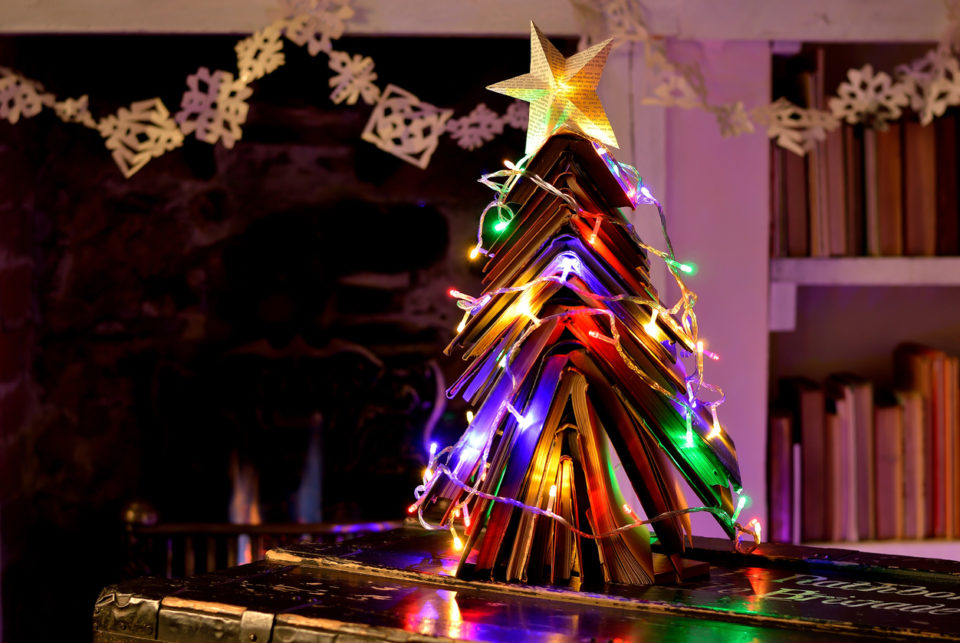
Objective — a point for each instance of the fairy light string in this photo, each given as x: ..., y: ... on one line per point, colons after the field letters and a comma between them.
x: 501, y: 182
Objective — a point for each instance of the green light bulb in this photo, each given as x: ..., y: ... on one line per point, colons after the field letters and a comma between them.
x: 741, y: 503
x: 500, y: 226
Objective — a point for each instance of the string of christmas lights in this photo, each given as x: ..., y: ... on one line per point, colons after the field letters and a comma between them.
x: 566, y: 263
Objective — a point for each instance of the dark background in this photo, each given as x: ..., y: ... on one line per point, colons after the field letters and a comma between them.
x: 221, y: 306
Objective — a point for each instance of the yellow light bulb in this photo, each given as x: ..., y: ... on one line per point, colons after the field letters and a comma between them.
x: 474, y: 253
x: 470, y: 417
x: 523, y: 308
x: 651, y: 326
x: 715, y: 431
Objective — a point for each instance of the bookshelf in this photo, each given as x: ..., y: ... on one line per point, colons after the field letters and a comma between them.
x: 835, y: 306
x: 867, y: 271
x: 934, y: 548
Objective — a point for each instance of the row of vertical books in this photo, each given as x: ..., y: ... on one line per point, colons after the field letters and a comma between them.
x: 849, y: 461
x: 865, y: 191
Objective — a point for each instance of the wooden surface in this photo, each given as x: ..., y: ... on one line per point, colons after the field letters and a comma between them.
x: 823, y: 20
x: 397, y: 586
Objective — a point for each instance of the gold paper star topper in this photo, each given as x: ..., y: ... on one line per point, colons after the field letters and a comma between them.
x: 561, y: 91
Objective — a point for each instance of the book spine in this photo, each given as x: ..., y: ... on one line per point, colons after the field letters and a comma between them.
x: 795, y: 197
x: 780, y: 479
x: 835, y: 201
x: 889, y: 461
x: 889, y: 191
x: 938, y: 497
x: 854, y: 175
x: 919, y: 190
x: 833, y: 488
x: 866, y: 472
x: 813, y: 510
x: 948, y: 202
x: 914, y: 518
x: 870, y: 192
x: 778, y: 203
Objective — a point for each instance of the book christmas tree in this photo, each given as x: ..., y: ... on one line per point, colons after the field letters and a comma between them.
x: 588, y: 391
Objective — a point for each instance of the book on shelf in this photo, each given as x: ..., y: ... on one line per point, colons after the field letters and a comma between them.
x: 874, y: 463
x: 948, y: 177
x: 889, y: 462
x: 795, y: 205
x: 806, y: 398
x: 780, y: 477
x: 866, y: 191
x: 925, y: 370
x: 889, y: 192
x: 914, y: 468
x: 919, y: 190
x: 853, y: 190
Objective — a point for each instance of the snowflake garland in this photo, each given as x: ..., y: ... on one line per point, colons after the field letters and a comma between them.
x: 403, y: 125
x: 139, y: 133
x: 932, y: 83
x: 316, y: 23
x: 260, y: 54
x: 354, y: 78
x: 214, y: 107
x: 75, y: 110
x: 794, y: 128
x: 20, y: 96
x: 480, y: 126
x: 869, y: 97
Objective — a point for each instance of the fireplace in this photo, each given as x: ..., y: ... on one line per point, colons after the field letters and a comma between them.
x: 238, y: 335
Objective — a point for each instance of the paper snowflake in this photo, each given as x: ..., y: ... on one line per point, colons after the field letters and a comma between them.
x: 354, y: 78
x: 792, y: 127
x: 259, y: 54
x: 674, y: 84
x: 517, y: 114
x: 478, y: 127
x: 139, y: 133
x: 868, y: 97
x: 932, y: 83
x: 214, y: 107
x: 316, y: 23
x: 75, y: 110
x: 20, y: 96
x: 404, y: 126
x: 625, y: 21
x: 732, y: 118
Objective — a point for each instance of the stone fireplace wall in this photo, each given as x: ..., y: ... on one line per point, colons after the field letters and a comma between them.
x: 254, y: 305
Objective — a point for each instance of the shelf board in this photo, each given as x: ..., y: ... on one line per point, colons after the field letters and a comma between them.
x: 930, y: 548
x: 867, y: 271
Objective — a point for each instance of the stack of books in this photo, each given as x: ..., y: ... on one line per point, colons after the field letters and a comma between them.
x: 848, y: 461
x: 575, y: 376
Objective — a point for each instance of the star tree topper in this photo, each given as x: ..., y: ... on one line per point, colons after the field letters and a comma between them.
x: 561, y: 91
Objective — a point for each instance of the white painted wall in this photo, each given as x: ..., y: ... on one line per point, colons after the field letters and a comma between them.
x: 717, y: 202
